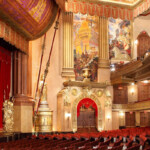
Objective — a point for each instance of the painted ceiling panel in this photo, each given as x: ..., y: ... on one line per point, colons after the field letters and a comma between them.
x: 31, y: 18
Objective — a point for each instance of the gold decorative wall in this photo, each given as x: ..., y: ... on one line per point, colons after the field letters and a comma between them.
x: 70, y: 96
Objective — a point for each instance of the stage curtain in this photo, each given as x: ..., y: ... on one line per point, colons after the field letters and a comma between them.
x: 87, y: 102
x: 5, y: 79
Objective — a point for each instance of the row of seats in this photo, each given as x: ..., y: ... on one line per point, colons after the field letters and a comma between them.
x: 87, y: 141
x: 113, y: 133
x: 64, y: 144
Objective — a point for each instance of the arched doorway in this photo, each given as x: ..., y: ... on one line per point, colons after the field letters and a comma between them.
x: 86, y: 115
x: 143, y: 43
x: 75, y: 110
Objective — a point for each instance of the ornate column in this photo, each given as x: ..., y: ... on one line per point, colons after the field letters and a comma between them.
x: 103, y: 64
x: 23, y: 109
x: 68, y: 56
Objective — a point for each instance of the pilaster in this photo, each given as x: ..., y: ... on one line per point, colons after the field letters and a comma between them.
x: 103, y: 43
x: 103, y: 64
x: 68, y: 56
x: 23, y: 106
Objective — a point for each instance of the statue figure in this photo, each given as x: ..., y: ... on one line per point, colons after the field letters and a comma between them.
x: 119, y: 55
x: 44, y: 93
x: 43, y: 118
x: 8, y: 108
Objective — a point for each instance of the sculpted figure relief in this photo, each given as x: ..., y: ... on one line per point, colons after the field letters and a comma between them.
x: 44, y: 94
x: 8, y: 108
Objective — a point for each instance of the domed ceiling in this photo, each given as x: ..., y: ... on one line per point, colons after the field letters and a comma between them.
x: 31, y: 18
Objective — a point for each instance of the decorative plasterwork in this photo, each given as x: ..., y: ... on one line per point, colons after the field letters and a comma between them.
x: 133, y: 106
x: 12, y: 37
x: 86, y: 84
x: 121, y: 2
x: 74, y: 110
x: 106, y: 9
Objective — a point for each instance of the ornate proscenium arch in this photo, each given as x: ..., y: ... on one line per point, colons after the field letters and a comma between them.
x: 74, y: 110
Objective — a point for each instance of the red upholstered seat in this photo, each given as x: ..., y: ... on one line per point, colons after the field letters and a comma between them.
x: 136, y: 147
x: 104, y: 147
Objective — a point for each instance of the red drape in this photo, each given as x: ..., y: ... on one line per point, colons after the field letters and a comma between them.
x: 5, y: 78
x: 87, y: 102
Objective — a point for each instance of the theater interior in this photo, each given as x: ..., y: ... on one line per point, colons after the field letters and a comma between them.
x: 75, y: 74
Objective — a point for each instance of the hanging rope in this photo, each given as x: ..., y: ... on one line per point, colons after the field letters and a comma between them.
x: 43, y: 48
x: 48, y: 62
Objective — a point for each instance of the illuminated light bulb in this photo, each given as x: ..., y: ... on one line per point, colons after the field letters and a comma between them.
x: 112, y: 69
x: 132, y: 83
x: 145, y: 81
x: 136, y: 42
x: 132, y: 91
x: 121, y: 114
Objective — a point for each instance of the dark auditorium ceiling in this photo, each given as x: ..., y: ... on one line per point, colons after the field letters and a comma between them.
x: 31, y: 18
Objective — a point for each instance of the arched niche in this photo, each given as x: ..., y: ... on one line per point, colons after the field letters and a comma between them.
x: 143, y: 43
x: 74, y: 111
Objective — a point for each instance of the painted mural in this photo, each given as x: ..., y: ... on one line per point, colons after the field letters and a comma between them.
x: 85, y: 36
x: 119, y: 39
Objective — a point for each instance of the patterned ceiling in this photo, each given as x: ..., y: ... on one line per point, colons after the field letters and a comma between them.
x: 30, y: 18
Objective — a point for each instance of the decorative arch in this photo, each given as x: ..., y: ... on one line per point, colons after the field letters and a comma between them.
x: 74, y: 110
x: 143, y: 43
x: 87, y: 102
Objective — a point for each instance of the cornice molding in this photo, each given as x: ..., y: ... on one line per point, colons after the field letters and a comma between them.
x: 114, y: 3
x: 86, y: 84
x: 142, y: 105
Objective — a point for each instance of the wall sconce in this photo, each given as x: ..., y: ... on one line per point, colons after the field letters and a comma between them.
x: 121, y: 114
x: 136, y: 42
x: 145, y: 81
x: 132, y: 83
x: 100, y: 129
x: 74, y: 130
x: 108, y: 117
x: 67, y: 115
x: 112, y: 67
x: 132, y: 91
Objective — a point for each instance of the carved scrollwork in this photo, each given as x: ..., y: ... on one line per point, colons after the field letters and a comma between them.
x: 8, y: 108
